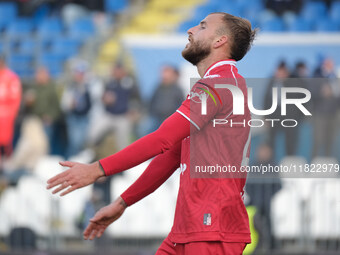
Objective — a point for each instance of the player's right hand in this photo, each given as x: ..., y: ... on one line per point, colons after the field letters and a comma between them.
x: 77, y: 176
x: 103, y: 218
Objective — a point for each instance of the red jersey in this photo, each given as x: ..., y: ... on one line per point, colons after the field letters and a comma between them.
x: 212, y: 209
x: 10, y: 96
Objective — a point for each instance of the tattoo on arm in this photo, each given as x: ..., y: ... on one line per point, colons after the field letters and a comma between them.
x: 122, y: 202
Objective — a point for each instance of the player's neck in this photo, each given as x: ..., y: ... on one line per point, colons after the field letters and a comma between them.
x: 207, y: 62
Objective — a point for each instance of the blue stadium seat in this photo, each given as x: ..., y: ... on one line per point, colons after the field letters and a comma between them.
x: 3, y: 24
x: 2, y: 47
x: 12, y: 44
x: 203, y: 10
x: 50, y: 27
x: 300, y: 25
x: 213, y: 2
x: 272, y: 25
x: 22, y: 58
x: 253, y: 21
x: 114, y: 6
x: 252, y: 16
x: 335, y: 12
x: 231, y: 7
x: 10, y: 10
x: 289, y: 18
x: 314, y: 10
x: 53, y: 62
x: 22, y: 45
x: 82, y: 28
x: 20, y: 27
x: 265, y: 16
x: 27, y: 45
x: 41, y: 13
x: 326, y: 25
x: 269, y: 21
x: 66, y: 47
x: 45, y: 43
x: 21, y: 64
x: 8, y: 13
x: 48, y: 30
x: 256, y: 5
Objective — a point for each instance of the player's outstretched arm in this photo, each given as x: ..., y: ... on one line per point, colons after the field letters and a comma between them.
x: 77, y: 176
x: 103, y: 218
x: 173, y: 130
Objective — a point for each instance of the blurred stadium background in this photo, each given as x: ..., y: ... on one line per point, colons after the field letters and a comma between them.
x: 137, y: 44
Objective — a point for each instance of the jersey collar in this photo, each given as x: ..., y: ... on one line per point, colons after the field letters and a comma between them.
x: 217, y: 64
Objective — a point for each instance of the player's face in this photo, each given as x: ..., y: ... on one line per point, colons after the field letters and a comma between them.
x: 201, y: 38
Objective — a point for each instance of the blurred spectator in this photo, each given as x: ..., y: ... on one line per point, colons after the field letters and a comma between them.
x: 167, y: 97
x: 300, y: 71
x: 281, y: 6
x: 10, y: 97
x: 76, y: 103
x: 91, y: 207
x: 96, y: 202
x: 278, y: 81
x: 71, y: 12
x: 31, y: 147
x: 329, y: 2
x: 90, y: 4
x: 42, y: 100
x: 325, y: 95
x: 120, y: 95
x: 298, y: 78
x: 261, y: 189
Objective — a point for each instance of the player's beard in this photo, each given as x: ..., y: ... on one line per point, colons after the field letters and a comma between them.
x: 196, y: 52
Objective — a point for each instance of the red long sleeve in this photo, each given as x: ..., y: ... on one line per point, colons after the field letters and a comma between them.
x: 173, y: 130
x: 158, y: 171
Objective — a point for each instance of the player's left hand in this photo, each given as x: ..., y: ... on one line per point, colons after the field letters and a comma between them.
x: 103, y: 218
x: 77, y: 176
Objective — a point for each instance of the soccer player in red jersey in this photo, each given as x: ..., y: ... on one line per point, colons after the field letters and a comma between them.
x: 210, y: 215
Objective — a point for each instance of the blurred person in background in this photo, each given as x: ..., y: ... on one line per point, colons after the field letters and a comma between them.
x: 261, y: 188
x: 76, y: 103
x: 278, y: 81
x: 298, y: 78
x: 300, y: 72
x: 120, y: 96
x: 42, y: 100
x: 167, y: 97
x: 91, y: 206
x: 10, y: 97
x: 325, y: 96
x: 281, y: 6
x: 31, y: 147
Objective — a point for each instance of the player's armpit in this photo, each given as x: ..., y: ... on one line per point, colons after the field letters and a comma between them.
x: 173, y: 130
x: 158, y: 171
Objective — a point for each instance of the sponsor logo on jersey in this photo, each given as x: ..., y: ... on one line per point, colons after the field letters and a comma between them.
x: 201, y: 95
x: 207, y: 219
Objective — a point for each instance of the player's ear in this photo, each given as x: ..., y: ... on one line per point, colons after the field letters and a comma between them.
x: 221, y: 40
